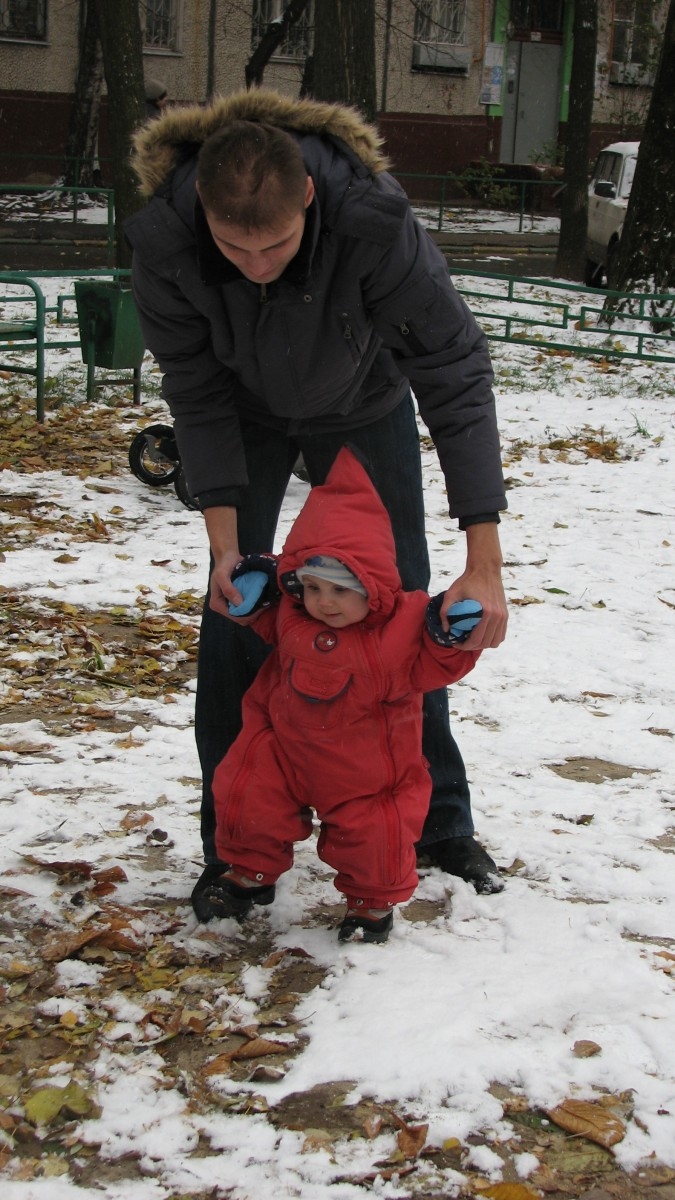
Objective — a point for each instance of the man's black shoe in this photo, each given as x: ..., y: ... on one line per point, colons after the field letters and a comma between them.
x: 201, y: 904
x: 466, y: 858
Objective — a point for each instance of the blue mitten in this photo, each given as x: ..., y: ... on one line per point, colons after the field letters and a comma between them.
x: 256, y: 579
x: 251, y: 586
x: 464, y: 615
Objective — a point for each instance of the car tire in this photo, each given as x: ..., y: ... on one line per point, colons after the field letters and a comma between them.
x: 612, y: 252
x: 592, y: 274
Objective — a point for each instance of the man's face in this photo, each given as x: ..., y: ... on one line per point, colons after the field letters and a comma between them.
x: 261, y: 255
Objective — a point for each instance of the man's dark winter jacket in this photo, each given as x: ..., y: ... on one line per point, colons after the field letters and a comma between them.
x: 365, y: 309
x: 333, y: 719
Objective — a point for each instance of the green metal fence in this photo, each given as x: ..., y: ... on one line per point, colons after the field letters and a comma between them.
x: 67, y: 199
x: 441, y: 193
x: 555, y: 315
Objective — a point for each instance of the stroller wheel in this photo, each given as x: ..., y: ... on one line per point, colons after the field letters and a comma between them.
x: 300, y: 470
x: 153, y: 455
x: 182, y: 490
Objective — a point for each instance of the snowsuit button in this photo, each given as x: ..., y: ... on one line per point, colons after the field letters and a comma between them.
x: 307, y: 298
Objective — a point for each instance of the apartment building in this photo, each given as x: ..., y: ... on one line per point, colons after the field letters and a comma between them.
x: 458, y: 81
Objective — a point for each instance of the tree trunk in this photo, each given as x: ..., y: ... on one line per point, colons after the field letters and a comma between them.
x: 344, y: 54
x: 122, y: 44
x: 645, y: 261
x: 82, y: 141
x: 273, y: 36
x: 574, y: 204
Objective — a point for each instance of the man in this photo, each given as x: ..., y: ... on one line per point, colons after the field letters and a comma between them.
x: 291, y: 300
x: 156, y: 99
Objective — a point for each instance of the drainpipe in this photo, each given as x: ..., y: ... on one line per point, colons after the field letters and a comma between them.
x: 385, y: 63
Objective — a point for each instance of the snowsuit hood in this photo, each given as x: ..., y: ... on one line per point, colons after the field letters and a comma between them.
x: 163, y: 144
x: 345, y: 503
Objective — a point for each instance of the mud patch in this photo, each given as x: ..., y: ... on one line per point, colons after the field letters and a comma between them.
x: 595, y: 770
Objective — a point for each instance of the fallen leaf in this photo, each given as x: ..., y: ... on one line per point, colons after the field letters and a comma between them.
x: 263, y: 1074
x: 74, y: 869
x: 587, y: 1119
x: 110, y: 875
x: 278, y: 955
x: 135, y: 820
x: 43, y: 1106
x: 316, y: 1139
x: 26, y: 747
x: 586, y: 1049
x: 510, y: 1191
x: 411, y: 1140
x: 255, y: 1048
x: 372, y: 1125
x: 258, y: 1047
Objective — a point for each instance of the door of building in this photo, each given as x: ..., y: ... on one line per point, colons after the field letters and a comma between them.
x: 531, y: 101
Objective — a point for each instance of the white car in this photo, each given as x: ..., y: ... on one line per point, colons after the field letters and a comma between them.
x: 608, y: 194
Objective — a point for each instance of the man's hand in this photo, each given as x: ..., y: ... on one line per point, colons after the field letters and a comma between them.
x: 481, y: 581
x: 221, y: 526
x: 223, y: 591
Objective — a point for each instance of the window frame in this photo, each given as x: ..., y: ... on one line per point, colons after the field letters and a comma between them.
x: 630, y: 71
x: 302, y: 32
x: 440, y: 37
x: 534, y: 22
x: 433, y: 20
x: 33, y: 38
x: 174, y: 43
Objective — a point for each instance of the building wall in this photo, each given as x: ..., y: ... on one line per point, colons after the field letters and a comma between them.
x: 432, y: 121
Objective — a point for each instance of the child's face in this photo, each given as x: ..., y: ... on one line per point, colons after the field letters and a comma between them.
x: 335, y: 606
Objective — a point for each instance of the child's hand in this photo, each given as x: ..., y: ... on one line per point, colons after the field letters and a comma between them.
x: 251, y: 587
x: 463, y: 616
x: 255, y: 578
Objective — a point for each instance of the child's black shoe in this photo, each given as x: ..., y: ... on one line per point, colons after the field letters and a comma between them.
x: 225, y: 894
x: 372, y: 923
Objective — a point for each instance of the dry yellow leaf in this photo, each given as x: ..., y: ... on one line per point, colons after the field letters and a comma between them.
x: 510, y: 1191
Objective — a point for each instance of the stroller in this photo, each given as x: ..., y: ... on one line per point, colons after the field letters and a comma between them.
x: 154, y: 459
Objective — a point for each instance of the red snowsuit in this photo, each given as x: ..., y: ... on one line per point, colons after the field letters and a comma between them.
x: 333, y: 720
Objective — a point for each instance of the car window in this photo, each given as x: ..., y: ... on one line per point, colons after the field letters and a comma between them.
x: 608, y: 167
x: 627, y: 178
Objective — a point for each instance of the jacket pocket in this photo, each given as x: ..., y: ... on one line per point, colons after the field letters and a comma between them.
x: 316, y: 697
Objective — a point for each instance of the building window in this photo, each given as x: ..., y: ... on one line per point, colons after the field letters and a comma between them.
x: 537, y: 16
x: 633, y: 49
x: 298, y: 43
x: 25, y: 20
x: 441, y: 21
x: 439, y: 37
x: 160, y: 22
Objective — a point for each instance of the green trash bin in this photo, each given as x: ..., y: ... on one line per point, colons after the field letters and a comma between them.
x: 109, y: 328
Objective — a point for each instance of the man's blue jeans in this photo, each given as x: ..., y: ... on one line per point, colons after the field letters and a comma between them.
x: 230, y: 656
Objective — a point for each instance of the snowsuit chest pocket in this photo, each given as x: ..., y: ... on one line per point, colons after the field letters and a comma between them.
x: 316, y: 695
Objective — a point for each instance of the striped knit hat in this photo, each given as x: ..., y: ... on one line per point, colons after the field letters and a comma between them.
x: 333, y: 571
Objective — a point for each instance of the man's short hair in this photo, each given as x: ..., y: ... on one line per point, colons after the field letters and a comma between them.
x: 252, y: 175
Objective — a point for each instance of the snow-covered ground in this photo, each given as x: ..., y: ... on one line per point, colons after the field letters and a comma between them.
x: 569, y: 737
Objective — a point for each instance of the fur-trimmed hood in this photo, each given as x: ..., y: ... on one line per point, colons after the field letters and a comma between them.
x: 159, y: 146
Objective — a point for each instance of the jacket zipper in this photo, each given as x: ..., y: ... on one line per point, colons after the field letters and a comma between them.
x: 413, y: 341
x: 236, y: 791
